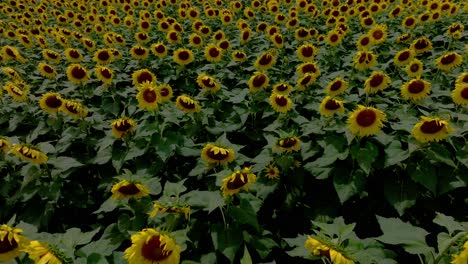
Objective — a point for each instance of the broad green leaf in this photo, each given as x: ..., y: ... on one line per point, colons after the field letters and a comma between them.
x: 174, y: 188
x: 102, y: 246
x: 397, y: 232
x: 64, y: 163
x: 298, y: 244
x: 348, y: 184
x: 365, y: 156
x: 245, y: 214
x: 439, y: 153
x: 395, y: 154
x: 425, y: 174
x: 208, y: 200
x: 400, y: 193
x: 227, y: 240
x: 73, y: 237
x: 449, y: 223
x: 108, y: 206
x: 246, y: 259
x: 318, y: 172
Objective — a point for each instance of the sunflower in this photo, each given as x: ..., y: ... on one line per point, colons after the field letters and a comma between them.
x: 409, y: 22
x: 46, y: 70
x: 45, y: 253
x: 414, y: 68
x: 213, y: 53
x: 12, y: 243
x: 127, y: 189
x: 148, y: 97
x: 365, y: 121
x: 336, y: 87
x: 165, y: 92
x: 4, y: 147
x: 89, y: 44
x: 152, y: 246
x: 421, y: 45
x: 305, y: 81
x: 266, y: 60
x: 258, y: 81
x: 378, y: 33
x: 51, y: 102
x: 187, y: 104
x: 431, y: 129
x: 74, y: 109
x: 415, y: 90
x: 195, y: 40
x: 308, y: 68
x: 329, y: 106
x: 103, y: 56
x: 159, y: 208
x: 73, y: 55
x: 77, y: 74
x: 139, y: 52
x: 16, y: 92
x: 104, y: 74
x: 142, y: 37
x: 51, y: 55
x: 141, y: 76
x: 208, y: 83
x: 403, y: 57
x: 364, y: 42
x: 460, y: 94
x: 280, y: 102
x: 183, y: 56
x: 238, y: 56
x: 302, y: 34
x: 159, y: 49
x: 272, y: 172
x: 448, y: 61
x: 282, y: 88
x: 215, y: 154
x: 378, y: 81
x: 403, y: 38
x: 367, y: 22
x: 364, y: 60
x: 289, y: 144
x: 320, y: 248
x: 173, y: 37
x: 333, y: 38
x: 237, y: 181
x: 455, y: 30
x: 29, y: 153
x: 123, y: 127
x: 462, y: 79
x: 306, y: 52
x: 462, y: 256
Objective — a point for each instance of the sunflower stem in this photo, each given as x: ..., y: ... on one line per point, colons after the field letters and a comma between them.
x: 447, y: 247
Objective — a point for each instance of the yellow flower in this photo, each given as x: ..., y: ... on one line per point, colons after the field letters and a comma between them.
x: 45, y: 253
x: 195, y: 40
x: 336, y: 87
x: 333, y: 38
x: 266, y: 60
x: 165, y: 92
x: 159, y: 49
x: 208, y: 83
x: 431, y: 129
x: 51, y: 102
x: 282, y: 88
x: 272, y: 172
x: 77, y: 74
x: 306, y: 52
x: 378, y: 81
x: 364, y: 60
x: 329, y: 106
x: 289, y: 144
x: 150, y: 246
x: 364, y: 42
x: 141, y: 76
x: 308, y: 68
x: 139, y: 52
x: 403, y: 38
x: 378, y: 33
x: 104, y: 74
x: 365, y: 121
x: 28, y: 153
x: 403, y: 57
x: 421, y: 45
x: 73, y: 55
x: 103, y: 56
x: 414, y: 68
x: 305, y: 81
x: 183, y: 56
x: 258, y: 81
x: 173, y: 37
x: 11, y: 241
x: 448, y: 61
x: 280, y: 102
x: 415, y: 89
x: 217, y: 155
x: 4, y: 145
x: 46, y: 70
x: 462, y: 78
x: 123, y: 127
x: 213, y: 53
x: 74, y: 109
x: 126, y: 190
x: 16, y: 92
x: 238, y: 56
x: 148, y: 97
x: 159, y: 208
x: 12, y: 73
x: 237, y: 181
x: 319, y: 248
x: 51, y: 55
x: 460, y: 93
x: 187, y: 104
x: 462, y: 256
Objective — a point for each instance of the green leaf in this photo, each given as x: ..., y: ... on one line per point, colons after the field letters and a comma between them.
x: 246, y: 259
x: 395, y: 154
x: 245, y: 214
x: 299, y: 249
x: 400, y: 193
x: 397, y: 232
x: 227, y: 240
x: 462, y: 155
x: 425, y: 174
x: 449, y: 223
x: 103, y: 247
x: 64, y: 163
x: 348, y: 184
x: 108, y: 206
x: 365, y: 156
x: 318, y: 172
x: 439, y: 153
x: 208, y: 200
x: 73, y: 237
x: 103, y: 156
x: 174, y: 188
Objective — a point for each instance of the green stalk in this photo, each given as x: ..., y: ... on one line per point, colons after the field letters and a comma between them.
x: 444, y: 251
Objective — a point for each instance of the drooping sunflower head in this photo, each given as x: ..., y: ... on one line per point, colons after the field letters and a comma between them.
x: 215, y: 154
x: 237, y: 181
x: 46, y: 253
x: 378, y: 81
x: 187, y: 104
x: 330, y: 106
x: 336, y: 87
x: 141, y: 76
x: 431, y: 129
x: 46, y: 70
x: 183, y: 56
x: 208, y: 83
x: 11, y: 73
x: 129, y: 189
x: 365, y: 121
x: 28, y: 153
x: 152, y: 246
x: 415, y: 89
x: 320, y: 247
x: 51, y: 102
x: 403, y: 38
x: 161, y: 208
x: 289, y: 144
x: 5, y: 145
x: 12, y: 243
x: 74, y: 109
x: 77, y: 74
x: 16, y: 92
x: 123, y: 127
x: 448, y: 61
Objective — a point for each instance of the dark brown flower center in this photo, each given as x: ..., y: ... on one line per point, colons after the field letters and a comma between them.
x: 332, y: 105
x: 150, y: 96
x: 239, y: 55
x: 409, y: 22
x: 259, y: 80
x: 414, y: 67
x: 265, y: 59
x: 224, y: 45
x: 173, y: 36
x: 365, y: 41
x: 431, y: 127
x: 140, y: 51
x: 208, y: 82
x: 53, y: 101
x: 106, y: 73
x: 72, y: 108
x: 368, y: 21
x: 142, y: 36
x: 448, y: 59
x: 27, y: 152
x: 237, y: 182
x: 334, y: 38
x: 187, y: 104
x: 336, y: 86
x: 145, y: 25
x: 184, y: 55
x: 214, y: 52
x: 416, y: 86
x: 376, y: 80
x: 129, y: 189
x: 160, y: 49
x: 144, y: 77
x: 309, y: 68
x: 281, y: 101
x: 307, y: 51
x: 123, y: 126
x: 245, y: 35
x: 282, y: 87
x: 288, y: 143
x: 464, y: 93
x: 164, y: 92
x: 378, y: 34
x: 302, y: 33
x: 404, y: 56
x: 48, y: 69
x: 306, y: 80
x: 278, y: 39
x: 103, y: 55
x: 421, y: 44
x: 217, y: 156
x: 366, y: 118
x: 78, y: 72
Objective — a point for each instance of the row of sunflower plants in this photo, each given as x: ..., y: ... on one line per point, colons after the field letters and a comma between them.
x: 211, y: 131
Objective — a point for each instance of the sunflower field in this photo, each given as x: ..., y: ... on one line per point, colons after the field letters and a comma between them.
x: 217, y: 131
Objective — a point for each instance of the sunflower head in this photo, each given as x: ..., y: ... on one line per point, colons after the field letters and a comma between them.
x: 103, y: 56
x: 306, y: 52
x: 365, y: 121
x: 12, y: 243
x: 431, y: 129
x: 51, y: 102
x: 165, y: 92
x: 152, y: 246
x: 272, y: 172
x: 289, y: 144
x: 215, y: 154
x: 415, y: 89
x: 282, y: 88
x: 208, y: 83
x: 237, y: 181
x: 336, y: 86
x: 280, y: 102
x: 29, y: 153
x: 238, y: 56
x: 320, y: 247
x: 128, y: 189
x: 460, y: 93
x: 5, y: 145
x: 414, y: 68
x: 148, y: 97
x: 141, y: 76
x: 46, y: 70
x: 77, y: 74
x: 421, y: 45
x: 139, y: 52
x: 187, y: 104
x: 448, y: 61
x: 329, y: 106
x: 378, y: 81
x: 403, y: 57
x: 161, y: 208
x: 46, y: 253
x: 183, y: 56
x: 123, y: 127
x: 159, y: 49
x: 364, y: 60
x: 258, y: 81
